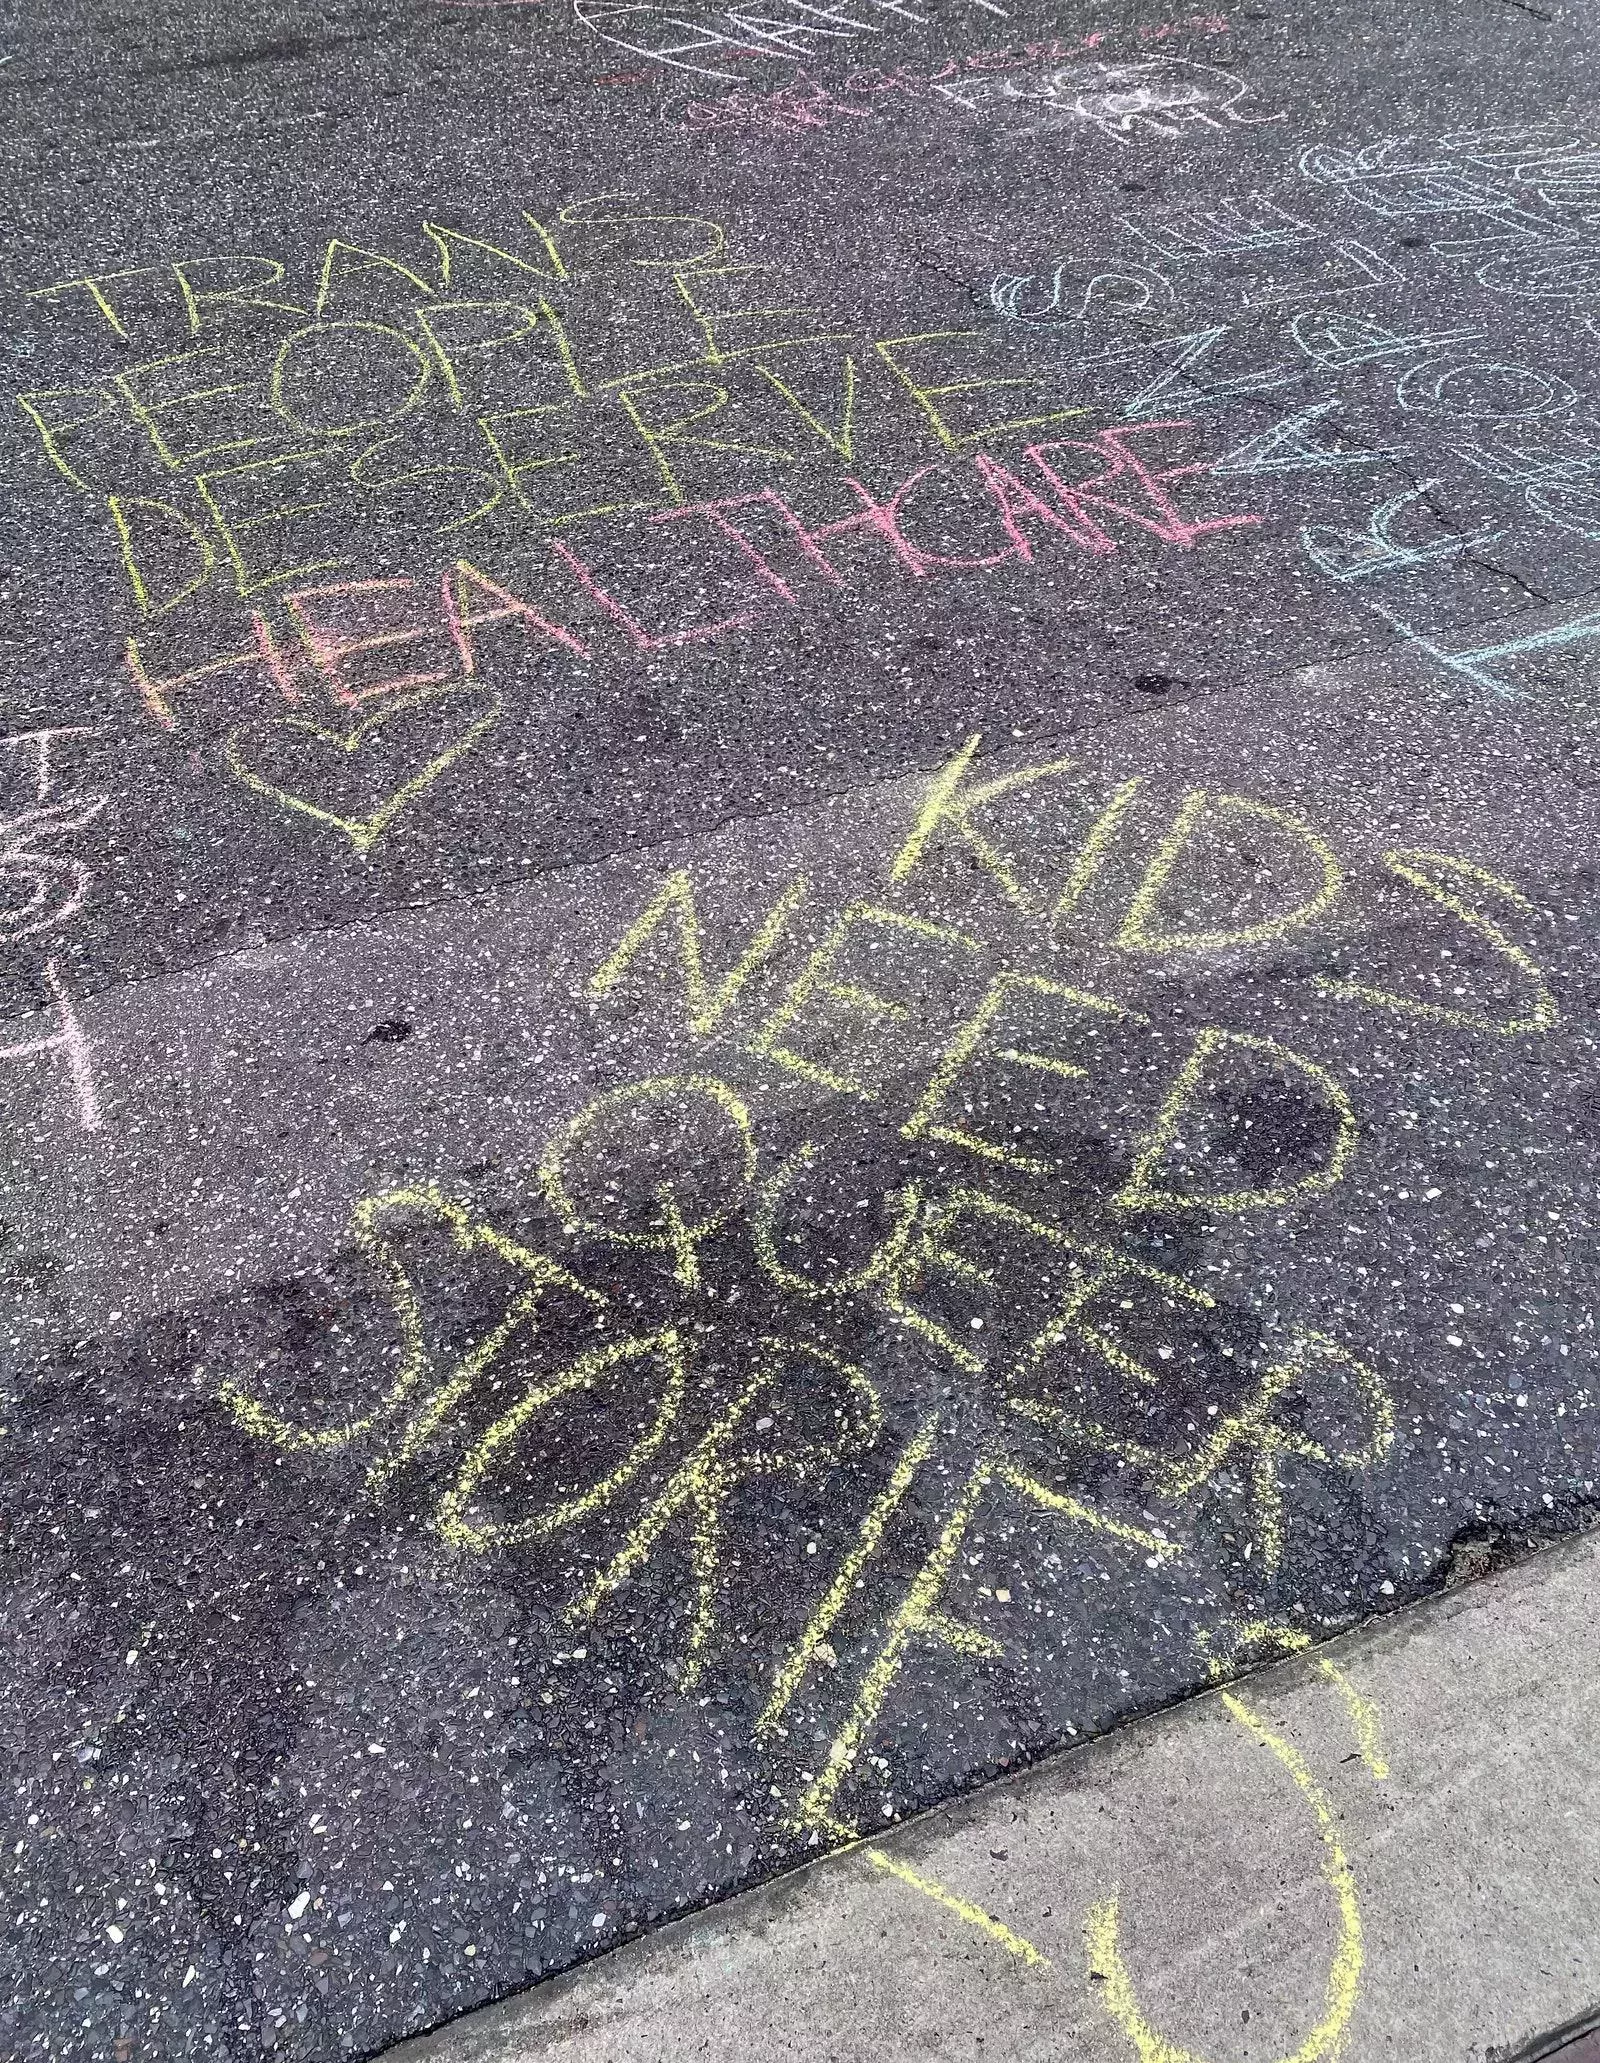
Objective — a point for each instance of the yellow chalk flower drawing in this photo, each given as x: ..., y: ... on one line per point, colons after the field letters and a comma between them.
x: 1114, y: 1983
x: 362, y: 832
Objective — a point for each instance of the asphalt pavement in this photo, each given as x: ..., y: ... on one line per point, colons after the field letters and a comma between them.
x: 797, y: 947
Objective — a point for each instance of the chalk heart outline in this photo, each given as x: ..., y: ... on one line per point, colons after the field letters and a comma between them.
x: 362, y: 832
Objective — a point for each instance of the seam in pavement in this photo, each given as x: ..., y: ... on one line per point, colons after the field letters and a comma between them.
x: 1555, y: 2042
x: 1381, y: 651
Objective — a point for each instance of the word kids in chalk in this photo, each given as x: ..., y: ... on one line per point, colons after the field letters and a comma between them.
x: 699, y: 1306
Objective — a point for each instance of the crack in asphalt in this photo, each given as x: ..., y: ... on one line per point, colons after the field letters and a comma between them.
x: 1488, y: 565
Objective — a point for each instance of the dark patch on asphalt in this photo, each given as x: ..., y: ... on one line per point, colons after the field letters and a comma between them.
x: 1275, y: 1132
x: 277, y: 50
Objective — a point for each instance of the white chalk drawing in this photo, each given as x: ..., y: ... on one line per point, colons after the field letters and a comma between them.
x: 41, y: 888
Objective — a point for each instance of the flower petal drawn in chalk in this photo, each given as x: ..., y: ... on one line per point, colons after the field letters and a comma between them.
x: 363, y: 832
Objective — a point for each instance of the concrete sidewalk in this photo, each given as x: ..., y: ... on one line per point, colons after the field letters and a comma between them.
x: 1386, y: 1848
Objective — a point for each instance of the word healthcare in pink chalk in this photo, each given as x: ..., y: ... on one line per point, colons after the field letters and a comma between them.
x: 1015, y: 510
